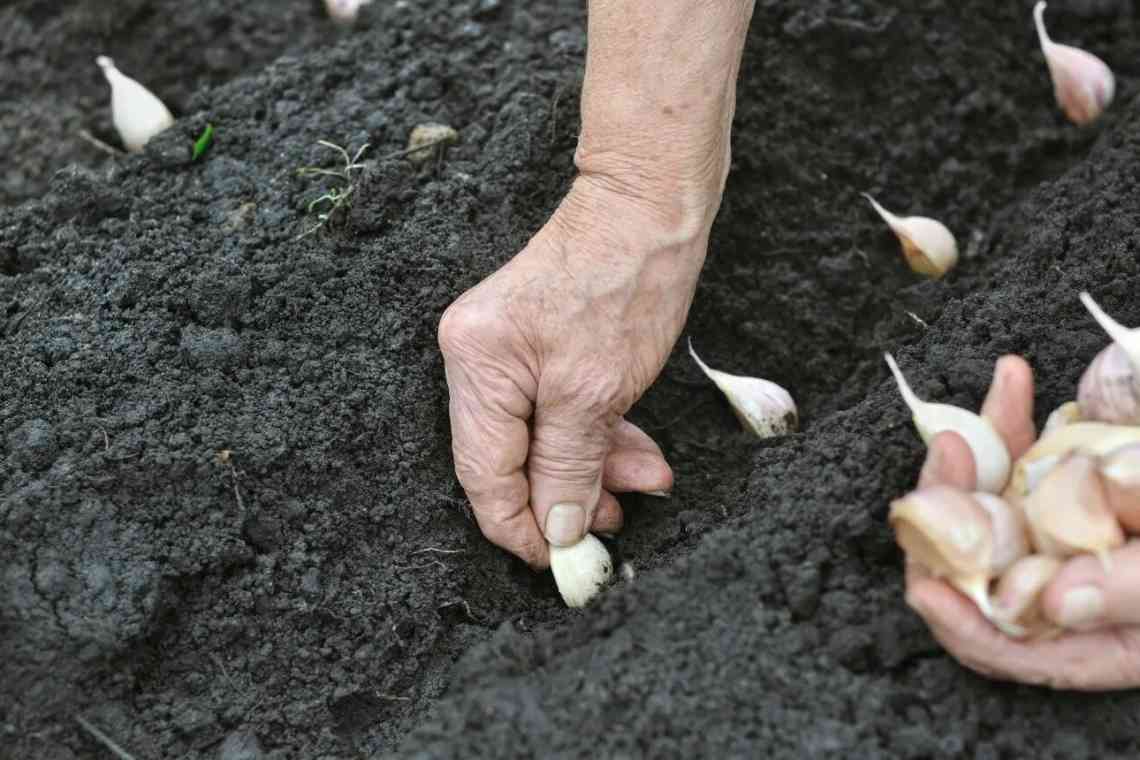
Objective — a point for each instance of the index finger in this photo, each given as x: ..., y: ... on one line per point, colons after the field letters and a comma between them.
x: 489, y: 445
x: 1009, y: 404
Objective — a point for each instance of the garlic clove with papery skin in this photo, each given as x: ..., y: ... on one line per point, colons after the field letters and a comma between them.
x: 137, y: 113
x: 1082, y: 83
x: 762, y: 407
x: 1066, y: 414
x: 1109, y: 390
x: 344, y: 11
x: 1120, y: 472
x: 991, y: 457
x: 1093, y: 438
x: 949, y: 534
x: 928, y: 246
x: 581, y: 571
x: 1068, y: 513
x: 1008, y: 529
x: 1018, y: 593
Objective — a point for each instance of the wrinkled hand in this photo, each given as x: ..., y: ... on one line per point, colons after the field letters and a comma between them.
x: 1100, y: 649
x: 545, y: 356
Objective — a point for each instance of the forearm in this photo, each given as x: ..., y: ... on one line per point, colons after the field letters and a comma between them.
x: 658, y: 101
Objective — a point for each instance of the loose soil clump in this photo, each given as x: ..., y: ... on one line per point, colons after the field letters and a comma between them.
x: 227, y: 515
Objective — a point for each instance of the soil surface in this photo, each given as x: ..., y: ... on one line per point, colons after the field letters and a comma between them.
x: 228, y: 524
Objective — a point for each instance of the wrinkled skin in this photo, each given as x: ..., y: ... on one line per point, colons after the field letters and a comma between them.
x: 545, y: 356
x: 1100, y: 649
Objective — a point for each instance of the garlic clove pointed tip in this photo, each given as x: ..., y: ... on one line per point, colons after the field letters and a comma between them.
x: 104, y: 62
x: 1128, y: 339
x: 1039, y: 23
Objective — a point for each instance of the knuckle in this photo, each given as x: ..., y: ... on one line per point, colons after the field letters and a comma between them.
x: 464, y: 322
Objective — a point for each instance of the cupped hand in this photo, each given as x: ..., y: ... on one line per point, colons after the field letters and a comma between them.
x: 1099, y: 648
x: 545, y: 356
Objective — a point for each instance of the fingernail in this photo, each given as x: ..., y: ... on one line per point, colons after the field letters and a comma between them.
x: 1001, y: 375
x: 1081, y: 606
x: 565, y: 524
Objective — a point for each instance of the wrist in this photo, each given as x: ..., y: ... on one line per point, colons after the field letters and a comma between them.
x: 676, y: 185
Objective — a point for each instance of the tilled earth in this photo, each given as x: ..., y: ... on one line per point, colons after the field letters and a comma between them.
x: 228, y: 524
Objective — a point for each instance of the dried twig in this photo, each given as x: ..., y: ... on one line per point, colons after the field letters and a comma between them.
x: 106, y: 741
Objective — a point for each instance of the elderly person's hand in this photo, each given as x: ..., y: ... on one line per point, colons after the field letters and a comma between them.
x: 1100, y: 614
x: 545, y: 356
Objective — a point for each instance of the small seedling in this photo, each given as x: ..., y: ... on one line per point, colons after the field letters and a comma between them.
x: 203, y: 143
x: 338, y: 197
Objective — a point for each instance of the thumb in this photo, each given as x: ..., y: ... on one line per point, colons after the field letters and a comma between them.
x: 567, y: 458
x: 1084, y: 597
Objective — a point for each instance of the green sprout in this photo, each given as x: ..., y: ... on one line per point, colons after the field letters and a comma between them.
x: 203, y: 143
x: 338, y: 197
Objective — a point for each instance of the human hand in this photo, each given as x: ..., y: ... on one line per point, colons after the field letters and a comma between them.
x: 545, y: 356
x: 1099, y: 648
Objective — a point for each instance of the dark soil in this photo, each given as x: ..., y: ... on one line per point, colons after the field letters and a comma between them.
x: 228, y: 522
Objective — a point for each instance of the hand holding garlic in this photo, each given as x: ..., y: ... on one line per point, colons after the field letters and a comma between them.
x: 1084, y: 623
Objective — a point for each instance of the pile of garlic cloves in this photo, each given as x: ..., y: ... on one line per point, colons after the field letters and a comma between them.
x: 1075, y: 491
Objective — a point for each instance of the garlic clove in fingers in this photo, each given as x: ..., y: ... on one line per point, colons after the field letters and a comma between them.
x: 1120, y: 472
x: 1066, y: 414
x: 762, y: 407
x: 1008, y: 529
x: 1082, y: 83
x: 581, y: 571
x: 1018, y: 593
x: 1093, y: 438
x: 1109, y: 390
x: 137, y: 113
x: 1068, y: 513
x: 949, y: 534
x: 991, y: 457
x: 928, y: 246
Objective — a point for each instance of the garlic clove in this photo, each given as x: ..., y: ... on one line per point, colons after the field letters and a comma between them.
x: 1018, y: 593
x: 1108, y: 390
x: 1066, y: 414
x: 1120, y: 473
x: 1093, y: 438
x: 1082, y: 83
x: 581, y: 571
x: 344, y: 11
x: 946, y: 531
x: 1068, y: 513
x: 991, y: 457
x: 928, y: 247
x: 1008, y: 529
x: 137, y: 113
x: 762, y: 407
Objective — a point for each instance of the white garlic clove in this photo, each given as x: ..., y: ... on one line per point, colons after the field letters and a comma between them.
x: 1008, y: 529
x: 949, y: 534
x: 137, y: 113
x: 1109, y: 390
x: 929, y: 248
x: 1120, y: 472
x: 581, y: 571
x: 991, y: 457
x: 762, y: 407
x: 1018, y: 594
x: 1082, y: 83
x: 1066, y: 414
x: 1068, y: 513
x: 344, y: 11
x: 1093, y: 438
